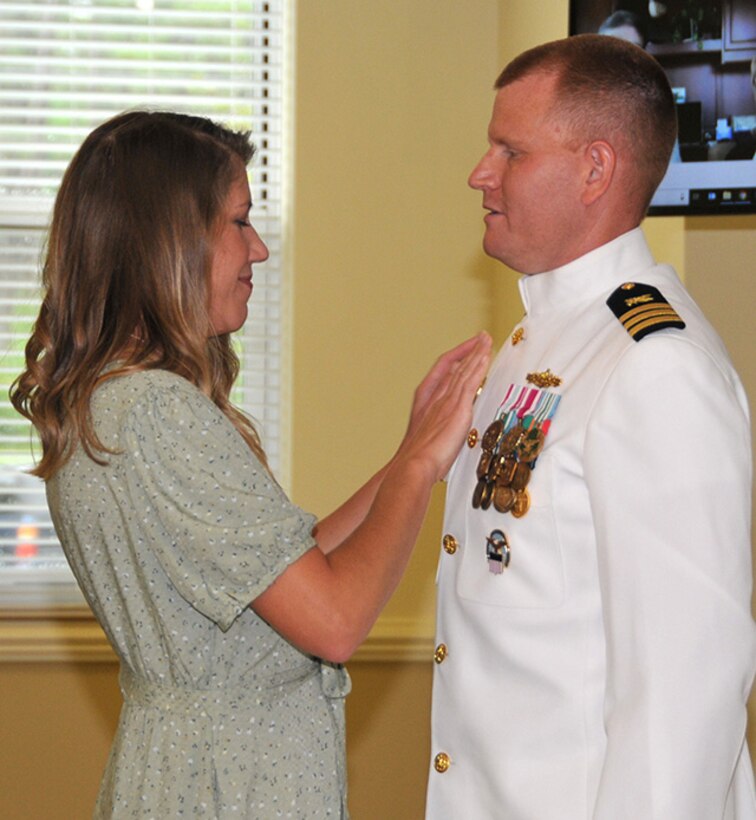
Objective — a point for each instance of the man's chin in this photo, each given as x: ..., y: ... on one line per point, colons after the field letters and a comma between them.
x: 493, y: 248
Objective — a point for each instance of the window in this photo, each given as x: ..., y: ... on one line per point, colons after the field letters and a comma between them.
x: 66, y: 66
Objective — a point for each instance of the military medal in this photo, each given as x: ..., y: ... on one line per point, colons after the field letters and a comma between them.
x: 510, y: 448
x: 503, y: 498
x: 521, y: 504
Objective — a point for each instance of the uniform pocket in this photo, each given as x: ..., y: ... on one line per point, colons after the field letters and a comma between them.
x: 534, y: 578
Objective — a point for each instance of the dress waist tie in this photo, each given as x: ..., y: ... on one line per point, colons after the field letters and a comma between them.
x: 137, y: 691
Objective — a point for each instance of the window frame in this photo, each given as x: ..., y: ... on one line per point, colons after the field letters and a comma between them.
x: 53, y: 595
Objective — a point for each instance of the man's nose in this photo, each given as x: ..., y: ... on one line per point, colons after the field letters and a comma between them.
x: 481, y: 175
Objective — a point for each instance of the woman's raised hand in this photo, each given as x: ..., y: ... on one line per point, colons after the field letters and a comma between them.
x: 442, y: 407
x: 327, y: 601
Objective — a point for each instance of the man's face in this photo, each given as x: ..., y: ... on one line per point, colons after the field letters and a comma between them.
x: 531, y: 181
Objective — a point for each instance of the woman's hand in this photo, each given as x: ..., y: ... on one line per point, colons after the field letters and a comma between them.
x: 336, y: 527
x: 436, y: 375
x: 326, y: 601
x: 442, y: 407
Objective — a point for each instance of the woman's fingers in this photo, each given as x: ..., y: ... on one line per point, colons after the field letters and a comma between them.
x: 437, y: 377
x: 438, y: 435
x: 467, y: 373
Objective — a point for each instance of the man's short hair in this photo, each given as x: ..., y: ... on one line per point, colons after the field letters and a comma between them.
x: 608, y: 89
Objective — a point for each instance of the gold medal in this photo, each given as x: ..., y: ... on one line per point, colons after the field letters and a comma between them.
x: 506, y: 466
x: 484, y: 464
x: 487, y: 496
x: 503, y: 498
x: 492, y: 435
x: 478, y: 493
x: 511, y: 440
x: 521, y: 504
x: 512, y: 444
x: 530, y: 445
x: 521, y: 476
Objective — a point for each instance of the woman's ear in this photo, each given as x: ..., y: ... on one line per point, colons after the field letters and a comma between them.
x: 601, y: 162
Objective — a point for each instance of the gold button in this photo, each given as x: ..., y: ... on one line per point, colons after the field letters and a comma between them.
x: 441, y: 762
x: 440, y: 654
x: 472, y: 438
x: 450, y: 544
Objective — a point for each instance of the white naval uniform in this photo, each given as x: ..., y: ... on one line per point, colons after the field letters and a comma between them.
x: 604, y: 673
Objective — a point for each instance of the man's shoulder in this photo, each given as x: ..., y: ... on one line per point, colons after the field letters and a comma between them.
x: 660, y: 322
x: 641, y: 308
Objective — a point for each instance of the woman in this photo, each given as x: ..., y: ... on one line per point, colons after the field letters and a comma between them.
x: 219, y: 596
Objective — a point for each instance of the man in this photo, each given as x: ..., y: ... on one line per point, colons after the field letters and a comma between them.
x: 595, y: 642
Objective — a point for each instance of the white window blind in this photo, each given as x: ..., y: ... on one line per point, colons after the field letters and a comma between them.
x: 65, y: 67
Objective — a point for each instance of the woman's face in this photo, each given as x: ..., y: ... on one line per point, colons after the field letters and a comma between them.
x: 237, y: 246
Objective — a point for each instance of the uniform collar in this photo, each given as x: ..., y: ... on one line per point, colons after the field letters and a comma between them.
x: 598, y: 272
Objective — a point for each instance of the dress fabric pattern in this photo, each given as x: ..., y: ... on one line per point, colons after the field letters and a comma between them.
x: 170, y: 541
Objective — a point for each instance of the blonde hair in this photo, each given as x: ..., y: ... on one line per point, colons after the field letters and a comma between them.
x: 126, y: 275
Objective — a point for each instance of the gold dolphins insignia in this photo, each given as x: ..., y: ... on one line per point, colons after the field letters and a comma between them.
x: 544, y: 379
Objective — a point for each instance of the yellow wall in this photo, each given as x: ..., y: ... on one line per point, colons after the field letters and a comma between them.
x: 387, y: 270
x: 392, y: 104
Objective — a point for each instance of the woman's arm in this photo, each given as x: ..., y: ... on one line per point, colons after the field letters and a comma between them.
x: 326, y: 602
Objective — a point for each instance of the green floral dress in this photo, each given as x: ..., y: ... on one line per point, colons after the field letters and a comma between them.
x: 170, y: 541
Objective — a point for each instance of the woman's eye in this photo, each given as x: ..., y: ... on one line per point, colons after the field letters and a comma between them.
x: 243, y: 223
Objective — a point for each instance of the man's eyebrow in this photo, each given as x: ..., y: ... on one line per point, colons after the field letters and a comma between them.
x: 501, y: 140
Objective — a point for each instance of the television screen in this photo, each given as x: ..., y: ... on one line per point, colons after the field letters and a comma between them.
x: 708, y: 51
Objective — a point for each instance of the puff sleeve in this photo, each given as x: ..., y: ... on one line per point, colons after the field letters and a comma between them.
x: 218, y: 525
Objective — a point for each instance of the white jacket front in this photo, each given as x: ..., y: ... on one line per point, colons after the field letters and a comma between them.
x: 604, y: 673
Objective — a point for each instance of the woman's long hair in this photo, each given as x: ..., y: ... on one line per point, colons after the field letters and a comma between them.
x: 126, y: 275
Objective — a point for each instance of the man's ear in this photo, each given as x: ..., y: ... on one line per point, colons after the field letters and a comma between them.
x: 601, y: 162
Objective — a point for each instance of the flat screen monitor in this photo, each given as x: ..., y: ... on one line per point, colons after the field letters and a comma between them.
x: 708, y: 51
